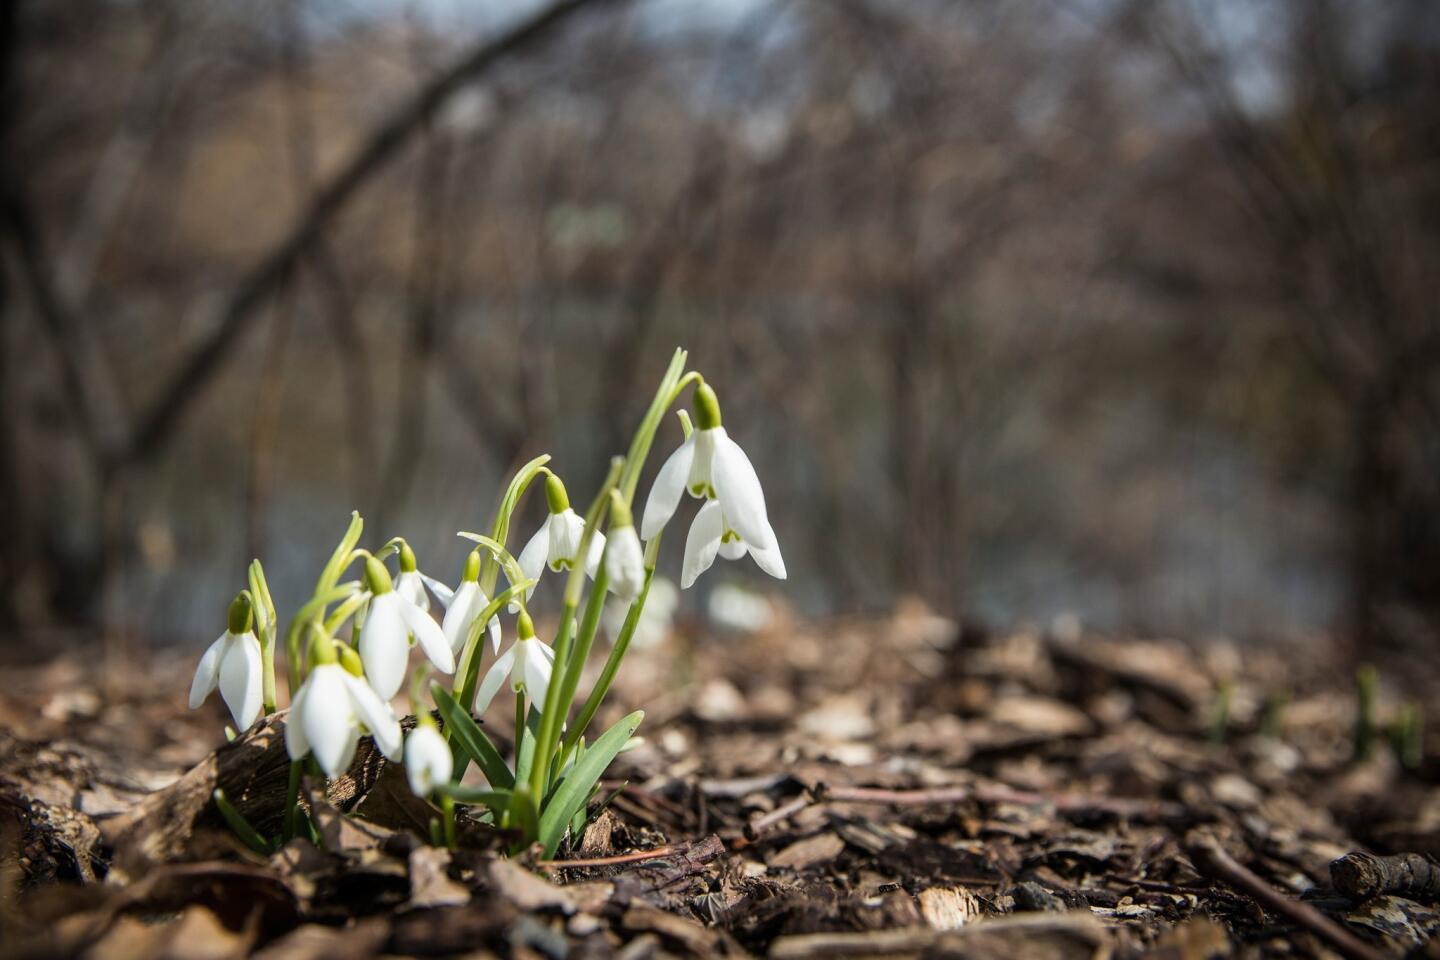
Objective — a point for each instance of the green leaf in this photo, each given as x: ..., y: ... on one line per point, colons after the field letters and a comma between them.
x: 497, y: 800
x: 524, y: 818
x: 472, y: 739
x: 241, y: 826
x: 575, y: 790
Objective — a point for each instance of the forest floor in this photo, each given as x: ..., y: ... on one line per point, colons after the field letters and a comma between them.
x: 888, y: 787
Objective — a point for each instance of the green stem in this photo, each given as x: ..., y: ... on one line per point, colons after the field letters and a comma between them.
x: 292, y: 800
x: 447, y: 806
x: 612, y: 665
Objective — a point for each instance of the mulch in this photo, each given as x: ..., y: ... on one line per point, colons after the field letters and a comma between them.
x: 869, y: 787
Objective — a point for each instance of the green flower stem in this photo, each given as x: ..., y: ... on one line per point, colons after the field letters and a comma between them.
x: 341, y: 613
x: 612, y: 665
x: 550, y: 717
x: 312, y: 612
x: 565, y: 675
x: 292, y: 800
x: 671, y: 384
x: 508, y: 503
x: 447, y: 806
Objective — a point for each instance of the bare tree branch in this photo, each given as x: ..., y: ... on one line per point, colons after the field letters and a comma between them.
x: 158, y: 423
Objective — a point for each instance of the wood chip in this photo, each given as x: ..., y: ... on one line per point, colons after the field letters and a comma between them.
x: 806, y: 853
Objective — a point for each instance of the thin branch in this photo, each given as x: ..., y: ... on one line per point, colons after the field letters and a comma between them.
x: 1212, y: 861
x: 158, y: 423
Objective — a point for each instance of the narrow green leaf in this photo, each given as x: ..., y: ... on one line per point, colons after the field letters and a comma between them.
x: 575, y: 790
x: 248, y: 834
x: 472, y: 739
x: 498, y: 800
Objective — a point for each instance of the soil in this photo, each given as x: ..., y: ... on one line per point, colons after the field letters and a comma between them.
x: 891, y: 786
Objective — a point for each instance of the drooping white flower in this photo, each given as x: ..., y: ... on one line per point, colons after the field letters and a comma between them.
x: 428, y: 763
x: 712, y: 533
x: 234, y: 664
x: 711, y: 465
x: 410, y: 584
x: 528, y: 664
x: 557, y: 543
x: 625, y: 558
x: 385, y: 635
x: 463, y: 605
x: 326, y: 715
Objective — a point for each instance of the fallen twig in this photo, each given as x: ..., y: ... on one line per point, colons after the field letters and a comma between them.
x: 1211, y: 860
x: 637, y: 856
x: 1361, y: 876
x: 760, y: 824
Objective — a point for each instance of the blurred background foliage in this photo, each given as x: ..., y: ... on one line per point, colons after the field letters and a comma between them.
x: 1110, y: 307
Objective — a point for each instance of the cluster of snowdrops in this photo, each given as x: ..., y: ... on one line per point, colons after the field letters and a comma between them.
x: 347, y: 649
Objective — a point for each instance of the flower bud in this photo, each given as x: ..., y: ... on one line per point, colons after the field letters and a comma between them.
x: 525, y: 626
x: 472, y: 568
x: 407, y: 558
x: 620, y: 516
x: 350, y: 660
x: 242, y: 615
x: 555, y: 494
x: 707, y: 408
x: 377, y: 577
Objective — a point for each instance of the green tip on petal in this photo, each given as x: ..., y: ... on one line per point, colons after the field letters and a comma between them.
x: 322, y: 647
x: 620, y: 517
x: 350, y: 660
x: 707, y: 408
x: 555, y: 494
x: 472, y: 567
x: 407, y: 558
x: 377, y: 577
x: 242, y: 614
x: 525, y: 626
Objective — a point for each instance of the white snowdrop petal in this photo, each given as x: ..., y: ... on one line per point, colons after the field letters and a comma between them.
x: 207, y: 672
x: 441, y: 591
x: 738, y: 490
x: 596, y: 554
x: 328, y: 719
x: 428, y: 763
x: 385, y: 645
x: 770, y: 561
x: 428, y: 634
x: 699, y: 482
x: 625, y: 564
x: 456, y: 625
x: 296, y: 745
x: 667, y: 490
x: 537, y: 672
x: 495, y: 678
x: 376, y: 715
x: 566, y: 529
x: 241, y: 682
x: 409, y: 585
x: 733, y: 549
x: 703, y: 543
x: 537, y: 550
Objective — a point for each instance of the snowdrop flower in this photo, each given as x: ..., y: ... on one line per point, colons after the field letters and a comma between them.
x: 711, y: 465
x: 411, y: 584
x: 428, y: 763
x: 327, y: 712
x: 625, y: 560
x: 233, y: 663
x: 385, y: 635
x: 557, y: 543
x: 528, y: 663
x: 713, y: 533
x: 463, y: 605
